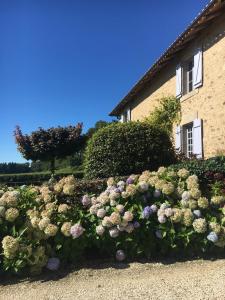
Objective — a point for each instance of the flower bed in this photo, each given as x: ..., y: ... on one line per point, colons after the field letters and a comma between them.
x: 154, y: 214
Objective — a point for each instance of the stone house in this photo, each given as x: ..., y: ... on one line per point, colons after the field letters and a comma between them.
x: 193, y: 70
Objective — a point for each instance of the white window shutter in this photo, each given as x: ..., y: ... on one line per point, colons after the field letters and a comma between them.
x: 178, y: 139
x: 197, y: 70
x: 122, y: 118
x: 128, y: 114
x: 197, y: 138
x: 178, y: 81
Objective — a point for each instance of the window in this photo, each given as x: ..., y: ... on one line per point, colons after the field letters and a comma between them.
x: 187, y: 143
x: 189, y: 139
x: 188, y: 76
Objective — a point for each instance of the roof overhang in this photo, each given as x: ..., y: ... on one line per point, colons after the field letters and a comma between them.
x: 210, y: 12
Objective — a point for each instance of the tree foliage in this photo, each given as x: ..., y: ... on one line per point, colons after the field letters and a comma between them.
x: 12, y: 168
x: 98, y: 125
x: 49, y: 144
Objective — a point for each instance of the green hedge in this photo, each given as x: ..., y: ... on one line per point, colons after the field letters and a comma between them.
x: 203, y: 168
x: 120, y: 149
x: 34, y: 178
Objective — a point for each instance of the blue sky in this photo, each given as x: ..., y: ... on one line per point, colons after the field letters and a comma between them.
x: 63, y: 62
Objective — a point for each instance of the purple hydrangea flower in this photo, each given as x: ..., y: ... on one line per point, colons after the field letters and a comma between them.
x: 197, y: 213
x: 136, y: 224
x: 130, y: 180
x: 121, y: 188
x: 158, y: 234
x: 213, y: 237
x: 53, y: 263
x: 147, y: 212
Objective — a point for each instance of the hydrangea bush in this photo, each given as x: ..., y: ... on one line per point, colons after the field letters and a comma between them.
x: 156, y: 213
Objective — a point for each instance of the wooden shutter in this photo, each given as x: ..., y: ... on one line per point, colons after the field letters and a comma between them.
x: 197, y: 70
x: 122, y: 118
x: 128, y: 114
x: 178, y: 138
x: 178, y: 81
x: 197, y: 138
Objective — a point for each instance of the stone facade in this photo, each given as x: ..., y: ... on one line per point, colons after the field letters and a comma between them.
x: 206, y: 102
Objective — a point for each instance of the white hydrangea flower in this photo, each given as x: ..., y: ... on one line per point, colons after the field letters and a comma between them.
x: 101, y: 213
x: 114, y: 232
x: 100, y: 230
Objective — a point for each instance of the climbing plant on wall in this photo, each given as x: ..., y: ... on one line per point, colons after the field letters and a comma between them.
x: 166, y: 114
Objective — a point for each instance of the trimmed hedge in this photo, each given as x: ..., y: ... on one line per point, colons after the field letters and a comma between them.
x: 34, y: 178
x: 123, y: 148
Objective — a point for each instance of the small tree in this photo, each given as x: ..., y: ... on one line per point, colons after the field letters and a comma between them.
x: 49, y: 144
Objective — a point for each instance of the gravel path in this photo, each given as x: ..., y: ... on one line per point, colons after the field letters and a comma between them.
x: 183, y: 280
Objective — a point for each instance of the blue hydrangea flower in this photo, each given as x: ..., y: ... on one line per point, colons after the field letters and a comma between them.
x: 147, y: 212
x: 53, y: 263
x: 212, y: 237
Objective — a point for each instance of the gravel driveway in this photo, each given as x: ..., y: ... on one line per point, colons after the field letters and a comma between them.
x: 183, y: 280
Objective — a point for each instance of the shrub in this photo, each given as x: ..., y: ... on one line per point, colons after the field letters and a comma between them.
x: 121, y: 149
x: 203, y: 168
x: 157, y: 213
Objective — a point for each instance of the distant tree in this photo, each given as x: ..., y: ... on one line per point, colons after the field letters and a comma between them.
x: 13, y: 168
x: 49, y: 144
x: 98, y: 125
x: 39, y: 166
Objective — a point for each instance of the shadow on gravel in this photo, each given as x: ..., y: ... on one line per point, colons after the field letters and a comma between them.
x: 65, y: 271
x: 10, y: 279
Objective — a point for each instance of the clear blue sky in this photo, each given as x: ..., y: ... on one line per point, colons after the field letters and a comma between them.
x: 69, y: 61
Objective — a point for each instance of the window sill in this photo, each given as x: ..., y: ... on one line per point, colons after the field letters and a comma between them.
x: 189, y: 95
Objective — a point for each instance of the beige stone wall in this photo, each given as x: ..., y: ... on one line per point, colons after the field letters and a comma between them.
x: 206, y: 102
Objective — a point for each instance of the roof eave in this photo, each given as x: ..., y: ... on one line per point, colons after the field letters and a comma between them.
x: 211, y: 11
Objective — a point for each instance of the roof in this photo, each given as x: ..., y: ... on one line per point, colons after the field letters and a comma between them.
x: 212, y: 10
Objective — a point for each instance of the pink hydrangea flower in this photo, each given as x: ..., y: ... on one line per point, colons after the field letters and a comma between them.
x: 76, y: 230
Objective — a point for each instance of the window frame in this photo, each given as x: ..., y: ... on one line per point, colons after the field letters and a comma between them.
x: 187, y: 139
x: 187, y: 75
